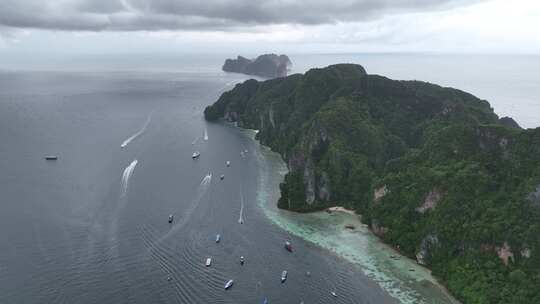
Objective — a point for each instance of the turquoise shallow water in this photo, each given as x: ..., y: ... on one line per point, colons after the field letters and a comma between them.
x: 402, y: 278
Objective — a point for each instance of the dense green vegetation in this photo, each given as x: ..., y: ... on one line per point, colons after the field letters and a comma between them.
x: 433, y: 170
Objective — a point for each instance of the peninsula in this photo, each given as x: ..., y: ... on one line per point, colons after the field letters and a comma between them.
x: 433, y: 170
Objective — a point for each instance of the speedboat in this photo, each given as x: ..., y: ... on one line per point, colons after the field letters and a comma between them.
x: 208, y: 262
x: 51, y: 157
x: 228, y: 163
x: 288, y: 246
x: 195, y: 154
x: 171, y: 218
x: 242, y: 260
x: 229, y: 284
x: 218, y: 238
x: 333, y: 293
x: 283, y: 276
x: 222, y: 176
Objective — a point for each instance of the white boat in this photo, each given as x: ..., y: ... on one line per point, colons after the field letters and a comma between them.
x: 229, y: 284
x: 195, y: 154
x: 218, y: 238
x: 222, y: 176
x: 242, y: 260
x: 208, y: 262
x: 228, y: 163
x: 283, y: 276
x: 171, y: 218
x: 333, y: 293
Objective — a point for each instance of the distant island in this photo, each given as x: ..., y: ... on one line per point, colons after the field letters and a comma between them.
x: 268, y: 65
x: 433, y: 170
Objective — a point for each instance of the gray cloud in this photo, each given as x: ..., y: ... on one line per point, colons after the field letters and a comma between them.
x: 222, y: 15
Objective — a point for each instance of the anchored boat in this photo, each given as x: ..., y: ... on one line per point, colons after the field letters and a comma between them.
x: 283, y: 276
x: 218, y: 238
x: 208, y: 262
x: 195, y: 154
x: 288, y: 246
x: 171, y: 218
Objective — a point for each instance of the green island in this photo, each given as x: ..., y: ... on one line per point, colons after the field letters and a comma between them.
x: 433, y: 171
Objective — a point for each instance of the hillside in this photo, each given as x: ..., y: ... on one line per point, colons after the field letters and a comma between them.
x: 433, y: 170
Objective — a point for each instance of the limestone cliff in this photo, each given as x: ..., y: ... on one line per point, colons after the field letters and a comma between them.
x: 268, y: 65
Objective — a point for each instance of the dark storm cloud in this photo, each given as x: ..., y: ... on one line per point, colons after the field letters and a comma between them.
x: 226, y: 15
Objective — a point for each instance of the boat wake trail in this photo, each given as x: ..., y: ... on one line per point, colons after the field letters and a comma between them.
x: 241, y: 217
x: 125, y: 177
x: 141, y: 131
x: 187, y: 213
x: 195, y: 140
x: 207, y: 179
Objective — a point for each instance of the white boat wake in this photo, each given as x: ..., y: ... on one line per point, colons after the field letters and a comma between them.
x: 195, y: 140
x: 241, y: 217
x: 125, y: 177
x: 141, y: 131
x: 207, y: 179
x: 186, y: 213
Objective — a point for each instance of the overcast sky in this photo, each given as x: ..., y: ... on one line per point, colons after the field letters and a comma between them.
x: 98, y: 26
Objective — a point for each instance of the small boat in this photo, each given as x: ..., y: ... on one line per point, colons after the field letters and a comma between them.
x: 229, y: 284
x: 195, y: 154
x: 308, y: 274
x: 265, y: 301
x: 222, y: 176
x: 283, y: 276
x: 218, y: 238
x: 228, y: 163
x: 208, y: 262
x: 350, y: 226
x: 51, y: 157
x: 288, y: 246
x: 242, y: 260
x: 171, y: 218
x: 169, y: 278
x: 334, y: 294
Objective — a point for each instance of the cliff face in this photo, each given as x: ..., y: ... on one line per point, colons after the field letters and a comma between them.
x: 268, y: 65
x: 433, y: 170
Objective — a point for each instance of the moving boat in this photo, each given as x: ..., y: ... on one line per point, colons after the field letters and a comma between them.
x: 195, y: 154
x: 51, y: 157
x: 283, y: 276
x: 288, y: 246
x: 265, y: 301
x: 229, y: 284
x: 208, y: 262
x: 171, y: 218
x: 218, y: 238
x: 242, y: 260
x: 222, y: 176
x: 228, y: 163
x: 333, y: 293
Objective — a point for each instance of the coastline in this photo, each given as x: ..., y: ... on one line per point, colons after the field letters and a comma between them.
x: 402, y: 278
